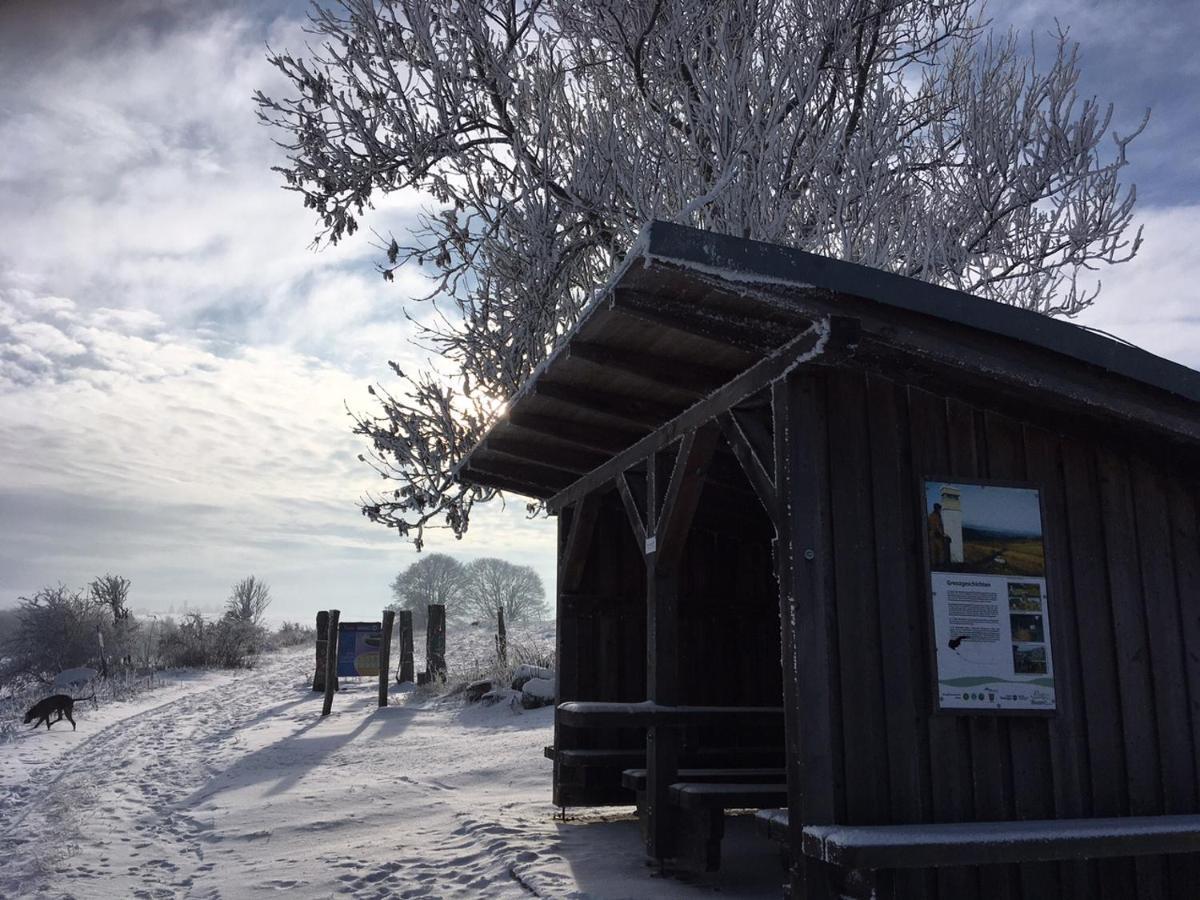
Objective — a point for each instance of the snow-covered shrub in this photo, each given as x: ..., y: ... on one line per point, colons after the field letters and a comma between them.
x: 291, y: 634
x: 228, y: 642
x: 57, y: 629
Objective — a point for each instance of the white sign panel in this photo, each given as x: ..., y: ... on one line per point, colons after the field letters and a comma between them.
x: 988, y: 586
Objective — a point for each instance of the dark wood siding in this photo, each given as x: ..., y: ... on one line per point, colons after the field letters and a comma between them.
x: 1124, y: 583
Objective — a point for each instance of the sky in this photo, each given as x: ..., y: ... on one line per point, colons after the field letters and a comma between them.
x: 176, y: 360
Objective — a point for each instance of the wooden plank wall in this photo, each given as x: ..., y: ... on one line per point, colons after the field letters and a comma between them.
x: 601, y: 648
x: 1124, y: 583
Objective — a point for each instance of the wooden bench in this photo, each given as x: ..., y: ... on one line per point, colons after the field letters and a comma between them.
x: 701, y: 815
x: 591, y: 774
x: 635, y: 779
x: 862, y: 851
x: 585, y: 714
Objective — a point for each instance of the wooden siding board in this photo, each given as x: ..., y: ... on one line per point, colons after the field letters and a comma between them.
x: 991, y: 770
x: 901, y: 618
x: 1164, y: 630
x: 1138, y: 727
x: 864, y: 725
x: 949, y: 737
x: 807, y: 610
x: 1094, y: 626
x: 1068, y: 729
x: 1029, y: 764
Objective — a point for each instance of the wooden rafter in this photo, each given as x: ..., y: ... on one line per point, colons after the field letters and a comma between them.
x: 569, y: 458
x: 635, y: 410
x: 676, y: 374
x: 590, y: 437
x: 757, y: 474
x: 750, y: 334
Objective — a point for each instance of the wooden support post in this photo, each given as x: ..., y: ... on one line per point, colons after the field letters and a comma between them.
x: 405, y: 673
x: 501, y: 638
x: 385, y: 655
x: 322, y: 643
x: 803, y: 556
x: 435, y: 642
x: 331, y: 643
x: 666, y: 531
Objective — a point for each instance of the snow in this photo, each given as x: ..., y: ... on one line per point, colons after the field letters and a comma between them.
x: 231, y: 785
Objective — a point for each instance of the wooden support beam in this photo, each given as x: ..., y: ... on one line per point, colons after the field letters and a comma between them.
x: 591, y: 437
x: 676, y: 374
x: 566, y: 457
x: 662, y: 687
x: 756, y: 426
x: 749, y: 382
x: 738, y: 331
x: 631, y: 510
x: 639, y: 412
x: 577, y: 543
x: 807, y: 615
x: 683, y: 494
x: 754, y: 467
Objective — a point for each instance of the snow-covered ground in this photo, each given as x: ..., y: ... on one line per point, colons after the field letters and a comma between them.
x: 231, y: 785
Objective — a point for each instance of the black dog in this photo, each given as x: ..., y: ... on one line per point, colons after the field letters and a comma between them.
x: 62, y: 704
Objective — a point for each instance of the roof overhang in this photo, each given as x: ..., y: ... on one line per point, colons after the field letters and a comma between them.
x: 693, y: 320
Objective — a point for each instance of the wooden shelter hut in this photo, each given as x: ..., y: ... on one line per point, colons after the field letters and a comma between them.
x: 739, y: 441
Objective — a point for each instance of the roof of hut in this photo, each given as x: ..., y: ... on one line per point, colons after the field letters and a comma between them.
x: 691, y: 313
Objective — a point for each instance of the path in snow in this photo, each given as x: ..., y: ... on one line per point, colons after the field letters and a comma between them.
x: 235, y: 787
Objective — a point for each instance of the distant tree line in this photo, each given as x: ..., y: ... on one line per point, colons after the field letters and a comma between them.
x: 470, y: 592
x: 58, y: 628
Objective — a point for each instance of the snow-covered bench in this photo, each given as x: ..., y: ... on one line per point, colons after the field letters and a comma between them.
x: 862, y: 851
x: 602, y: 744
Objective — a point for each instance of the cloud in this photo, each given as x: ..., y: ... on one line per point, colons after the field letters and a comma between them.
x: 1152, y: 300
x: 185, y: 469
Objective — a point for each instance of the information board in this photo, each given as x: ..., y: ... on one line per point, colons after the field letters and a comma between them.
x: 991, y: 612
x: 358, y: 648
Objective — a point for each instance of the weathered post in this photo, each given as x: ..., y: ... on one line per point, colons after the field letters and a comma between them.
x: 385, y: 655
x: 330, y: 660
x: 501, y: 638
x: 435, y: 643
x: 103, y: 659
x: 406, y: 672
x: 322, y: 642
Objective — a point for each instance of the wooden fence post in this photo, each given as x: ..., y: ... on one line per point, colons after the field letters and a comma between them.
x: 322, y: 643
x: 406, y: 672
x: 385, y: 655
x: 435, y: 642
x: 331, y: 661
x: 501, y: 638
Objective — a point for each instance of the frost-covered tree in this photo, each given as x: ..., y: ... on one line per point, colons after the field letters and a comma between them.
x: 491, y: 584
x: 56, y: 629
x: 112, y: 593
x: 436, y: 578
x: 897, y: 133
x: 248, y: 601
